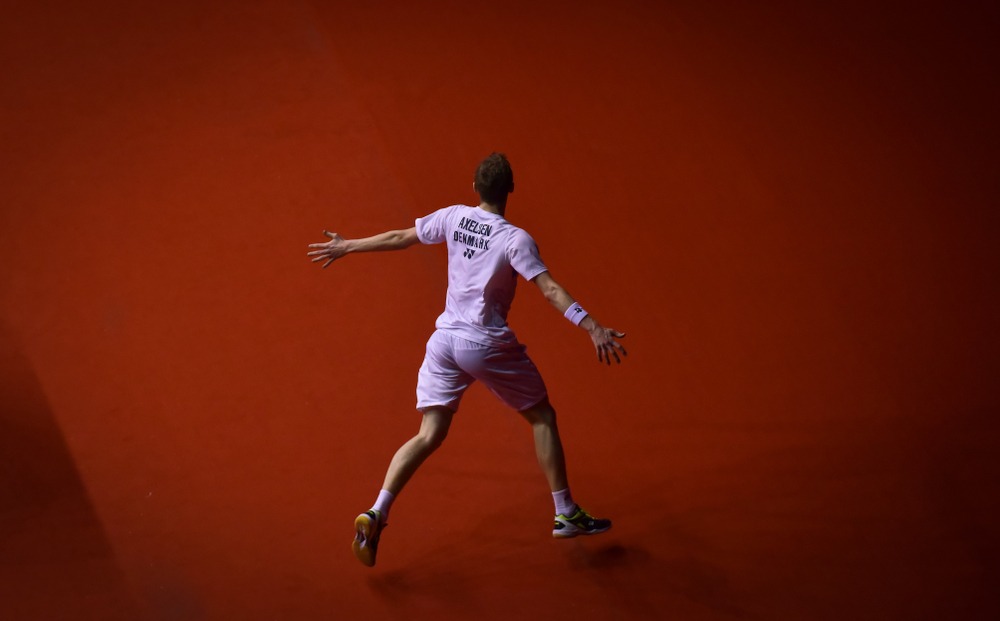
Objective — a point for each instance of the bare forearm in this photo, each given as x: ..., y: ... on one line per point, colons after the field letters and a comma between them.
x: 603, y: 338
x: 559, y: 298
x: 562, y: 300
x: 337, y: 247
x: 390, y: 240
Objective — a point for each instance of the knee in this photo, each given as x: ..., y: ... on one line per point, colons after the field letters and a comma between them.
x: 541, y: 414
x: 433, y: 435
x: 432, y: 439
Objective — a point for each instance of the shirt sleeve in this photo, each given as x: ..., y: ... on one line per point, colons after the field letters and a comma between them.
x: 433, y: 228
x: 524, y: 257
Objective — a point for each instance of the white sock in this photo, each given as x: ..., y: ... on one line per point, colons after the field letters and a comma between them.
x: 383, y: 503
x: 564, y: 502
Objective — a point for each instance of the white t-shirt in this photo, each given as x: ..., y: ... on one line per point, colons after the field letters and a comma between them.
x: 485, y: 255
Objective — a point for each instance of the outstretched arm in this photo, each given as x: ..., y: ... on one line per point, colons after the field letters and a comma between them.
x: 337, y: 247
x: 603, y: 338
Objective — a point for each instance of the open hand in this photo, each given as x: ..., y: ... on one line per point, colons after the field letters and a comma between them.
x: 605, y: 343
x: 328, y: 251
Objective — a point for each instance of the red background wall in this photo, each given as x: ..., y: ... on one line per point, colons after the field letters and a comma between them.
x: 790, y: 209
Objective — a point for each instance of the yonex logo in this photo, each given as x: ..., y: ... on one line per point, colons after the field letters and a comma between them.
x: 577, y: 310
x: 469, y: 253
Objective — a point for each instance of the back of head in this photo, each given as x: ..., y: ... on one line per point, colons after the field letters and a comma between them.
x: 494, y: 179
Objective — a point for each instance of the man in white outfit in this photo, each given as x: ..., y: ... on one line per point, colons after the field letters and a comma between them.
x: 473, y: 342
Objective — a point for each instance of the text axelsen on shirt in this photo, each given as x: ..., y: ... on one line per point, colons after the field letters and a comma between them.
x: 475, y: 227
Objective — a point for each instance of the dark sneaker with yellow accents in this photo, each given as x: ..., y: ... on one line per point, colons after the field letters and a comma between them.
x: 580, y: 523
x: 367, y: 530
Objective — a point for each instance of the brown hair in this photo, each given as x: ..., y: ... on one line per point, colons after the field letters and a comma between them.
x: 494, y: 179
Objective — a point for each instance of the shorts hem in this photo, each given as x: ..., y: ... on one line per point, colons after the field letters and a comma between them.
x: 546, y: 396
x: 443, y: 406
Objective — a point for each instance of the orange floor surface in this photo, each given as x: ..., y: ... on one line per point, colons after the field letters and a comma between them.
x: 791, y: 208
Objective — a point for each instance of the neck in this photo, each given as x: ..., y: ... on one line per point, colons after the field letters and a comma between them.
x: 497, y: 209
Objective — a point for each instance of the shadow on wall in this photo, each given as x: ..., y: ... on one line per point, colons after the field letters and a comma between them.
x: 55, y: 560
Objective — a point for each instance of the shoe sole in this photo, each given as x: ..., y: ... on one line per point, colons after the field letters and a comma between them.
x: 363, y: 528
x: 577, y: 532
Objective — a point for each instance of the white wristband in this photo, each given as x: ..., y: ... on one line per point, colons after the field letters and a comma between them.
x: 575, y: 313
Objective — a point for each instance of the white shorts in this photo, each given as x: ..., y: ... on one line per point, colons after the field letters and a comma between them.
x: 452, y: 364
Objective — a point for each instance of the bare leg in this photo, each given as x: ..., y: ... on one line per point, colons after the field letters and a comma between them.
x: 548, y: 446
x: 433, y: 430
x: 368, y: 526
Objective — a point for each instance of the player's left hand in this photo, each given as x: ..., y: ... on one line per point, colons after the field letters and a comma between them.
x: 606, y: 345
x: 329, y: 251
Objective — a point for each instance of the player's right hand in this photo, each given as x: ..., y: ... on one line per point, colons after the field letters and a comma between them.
x: 329, y: 251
